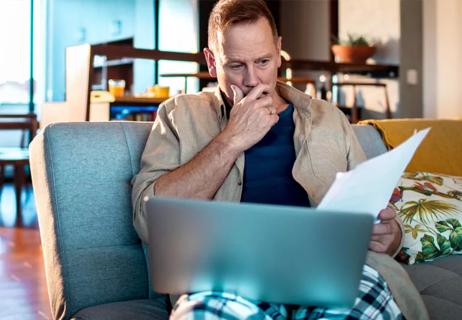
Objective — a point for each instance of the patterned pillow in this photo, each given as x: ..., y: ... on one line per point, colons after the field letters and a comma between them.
x: 430, y: 206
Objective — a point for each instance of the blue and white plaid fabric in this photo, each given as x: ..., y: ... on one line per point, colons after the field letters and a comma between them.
x: 373, y: 302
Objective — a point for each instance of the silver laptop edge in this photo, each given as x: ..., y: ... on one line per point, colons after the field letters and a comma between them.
x: 271, y: 253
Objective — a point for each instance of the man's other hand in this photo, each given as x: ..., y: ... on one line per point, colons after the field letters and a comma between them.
x: 386, y: 235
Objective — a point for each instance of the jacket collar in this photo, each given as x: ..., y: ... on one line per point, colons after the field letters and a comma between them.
x: 220, y: 106
x: 300, y: 100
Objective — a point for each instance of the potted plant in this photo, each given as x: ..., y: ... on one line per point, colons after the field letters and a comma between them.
x: 354, y: 49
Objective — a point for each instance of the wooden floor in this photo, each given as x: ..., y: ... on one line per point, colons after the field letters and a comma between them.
x: 23, y: 293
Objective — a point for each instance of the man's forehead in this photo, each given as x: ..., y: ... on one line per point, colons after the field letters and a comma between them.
x: 255, y: 38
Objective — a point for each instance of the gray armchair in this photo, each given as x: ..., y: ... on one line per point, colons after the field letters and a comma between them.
x: 95, y: 263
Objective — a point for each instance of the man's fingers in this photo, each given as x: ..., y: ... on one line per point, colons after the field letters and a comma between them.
x: 382, y: 228
x: 258, y: 91
x: 387, y: 214
x: 267, y: 104
x: 237, y: 94
x: 377, y: 247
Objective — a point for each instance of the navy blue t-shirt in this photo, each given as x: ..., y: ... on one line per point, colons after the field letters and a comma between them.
x: 268, y: 167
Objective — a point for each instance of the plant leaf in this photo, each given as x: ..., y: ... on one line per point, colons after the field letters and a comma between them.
x: 426, y: 210
x: 429, y: 249
x: 434, y: 179
x: 410, y: 175
x: 443, y: 226
x: 444, y: 244
x: 456, y: 239
x: 455, y: 194
x: 419, y: 257
x: 414, y: 231
x: 454, y: 223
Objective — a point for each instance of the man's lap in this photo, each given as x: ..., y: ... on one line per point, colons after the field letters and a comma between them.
x: 374, y: 301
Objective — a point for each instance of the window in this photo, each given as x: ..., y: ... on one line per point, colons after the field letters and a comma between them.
x: 178, y: 31
x: 15, y: 54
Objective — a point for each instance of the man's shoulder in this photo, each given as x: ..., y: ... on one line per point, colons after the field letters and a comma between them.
x: 195, y: 100
x: 325, y: 110
x: 319, y: 105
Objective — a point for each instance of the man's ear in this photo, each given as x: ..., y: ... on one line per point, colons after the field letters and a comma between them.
x: 279, y: 46
x: 210, y: 58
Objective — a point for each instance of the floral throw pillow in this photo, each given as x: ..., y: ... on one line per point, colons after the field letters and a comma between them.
x: 430, y: 206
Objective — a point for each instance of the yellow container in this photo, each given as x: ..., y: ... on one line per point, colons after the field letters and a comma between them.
x: 116, y: 87
x: 159, y: 91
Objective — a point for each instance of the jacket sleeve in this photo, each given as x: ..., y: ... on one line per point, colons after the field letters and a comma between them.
x: 355, y: 156
x: 160, y: 156
x: 355, y: 153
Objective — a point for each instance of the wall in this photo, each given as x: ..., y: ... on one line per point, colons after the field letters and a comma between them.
x: 379, y: 21
x: 72, y: 22
x: 304, y: 27
x: 145, y: 24
x: 442, y: 58
x: 411, y: 60
x: 179, y: 32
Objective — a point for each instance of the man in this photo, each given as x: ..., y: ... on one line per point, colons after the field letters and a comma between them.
x: 255, y: 140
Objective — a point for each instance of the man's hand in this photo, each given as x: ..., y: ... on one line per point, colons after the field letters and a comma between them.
x: 386, y: 235
x: 251, y: 117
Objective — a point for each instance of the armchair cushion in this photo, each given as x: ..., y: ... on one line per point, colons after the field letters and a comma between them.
x: 145, y: 309
x: 430, y: 206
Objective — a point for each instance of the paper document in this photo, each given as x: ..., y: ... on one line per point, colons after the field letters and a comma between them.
x: 369, y: 186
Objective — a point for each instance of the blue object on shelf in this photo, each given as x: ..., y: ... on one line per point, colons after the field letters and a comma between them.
x: 133, y: 109
x: 122, y: 112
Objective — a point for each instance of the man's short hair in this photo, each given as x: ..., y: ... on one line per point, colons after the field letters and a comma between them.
x: 230, y: 12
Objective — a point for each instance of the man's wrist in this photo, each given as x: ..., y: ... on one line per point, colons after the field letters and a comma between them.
x: 227, y: 144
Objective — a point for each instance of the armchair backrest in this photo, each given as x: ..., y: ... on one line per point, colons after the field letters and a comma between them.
x: 81, y: 176
x: 370, y: 140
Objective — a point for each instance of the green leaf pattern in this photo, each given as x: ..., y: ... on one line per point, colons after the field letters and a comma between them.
x: 456, y: 238
x: 431, y: 209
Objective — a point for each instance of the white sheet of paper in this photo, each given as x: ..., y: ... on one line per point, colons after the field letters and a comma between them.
x: 369, y: 186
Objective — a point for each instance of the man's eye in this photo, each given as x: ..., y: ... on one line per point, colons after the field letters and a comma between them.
x: 264, y: 62
x: 236, y: 66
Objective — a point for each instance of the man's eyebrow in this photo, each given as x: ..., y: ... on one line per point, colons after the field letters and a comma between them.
x: 228, y: 60
x: 238, y: 60
x: 266, y: 56
x: 230, y: 63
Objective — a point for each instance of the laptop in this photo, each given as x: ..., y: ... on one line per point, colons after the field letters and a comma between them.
x: 280, y: 254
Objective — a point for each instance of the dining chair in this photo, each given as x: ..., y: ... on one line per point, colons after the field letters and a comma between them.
x: 354, y: 113
x: 17, y: 157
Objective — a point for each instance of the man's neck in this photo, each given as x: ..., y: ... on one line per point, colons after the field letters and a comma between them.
x: 279, y: 101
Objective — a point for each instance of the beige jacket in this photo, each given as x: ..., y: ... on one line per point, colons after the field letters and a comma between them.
x: 324, y: 144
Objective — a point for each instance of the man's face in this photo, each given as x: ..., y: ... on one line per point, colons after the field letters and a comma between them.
x: 246, y: 55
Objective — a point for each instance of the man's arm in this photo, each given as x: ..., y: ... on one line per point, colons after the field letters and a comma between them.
x: 250, y: 119
x: 201, y: 177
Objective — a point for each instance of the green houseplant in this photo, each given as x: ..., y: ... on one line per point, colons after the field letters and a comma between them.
x: 354, y: 49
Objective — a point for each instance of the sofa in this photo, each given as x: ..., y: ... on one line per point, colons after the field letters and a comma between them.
x: 95, y: 263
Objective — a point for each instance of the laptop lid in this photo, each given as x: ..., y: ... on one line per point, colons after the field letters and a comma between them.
x: 280, y: 254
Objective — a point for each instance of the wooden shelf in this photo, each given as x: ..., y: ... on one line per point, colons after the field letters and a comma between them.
x: 139, y: 100
x: 200, y: 75
x: 382, y: 70
x: 81, y: 74
x: 114, y: 63
x: 204, y: 75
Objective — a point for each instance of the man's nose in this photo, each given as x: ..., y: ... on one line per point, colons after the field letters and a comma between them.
x: 250, y: 78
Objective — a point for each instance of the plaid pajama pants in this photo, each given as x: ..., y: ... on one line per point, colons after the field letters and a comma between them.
x: 373, y: 302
